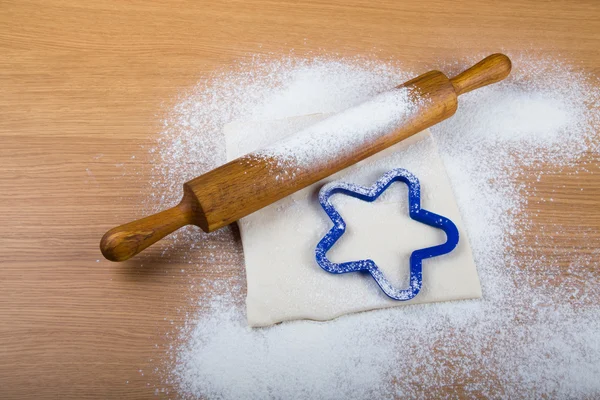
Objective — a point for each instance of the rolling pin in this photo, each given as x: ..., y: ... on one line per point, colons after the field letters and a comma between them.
x: 251, y: 182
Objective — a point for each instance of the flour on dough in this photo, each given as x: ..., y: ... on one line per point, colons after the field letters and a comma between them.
x: 284, y: 280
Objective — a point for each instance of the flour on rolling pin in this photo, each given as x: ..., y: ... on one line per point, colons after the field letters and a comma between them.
x: 344, y: 133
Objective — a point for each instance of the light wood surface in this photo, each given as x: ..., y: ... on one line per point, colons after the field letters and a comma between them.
x: 83, y: 85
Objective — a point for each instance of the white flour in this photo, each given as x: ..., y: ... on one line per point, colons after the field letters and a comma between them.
x: 346, y: 132
x: 535, y: 332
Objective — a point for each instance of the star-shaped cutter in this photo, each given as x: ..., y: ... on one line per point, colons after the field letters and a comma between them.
x: 415, y: 211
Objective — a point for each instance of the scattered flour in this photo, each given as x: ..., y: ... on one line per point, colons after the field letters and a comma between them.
x: 534, y: 333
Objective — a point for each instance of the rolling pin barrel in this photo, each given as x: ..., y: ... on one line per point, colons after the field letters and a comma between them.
x: 256, y: 180
x: 251, y: 182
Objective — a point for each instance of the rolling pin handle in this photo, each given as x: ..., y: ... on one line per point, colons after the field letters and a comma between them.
x: 125, y: 241
x: 491, y: 69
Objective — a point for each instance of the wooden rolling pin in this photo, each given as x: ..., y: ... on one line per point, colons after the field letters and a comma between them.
x: 251, y: 182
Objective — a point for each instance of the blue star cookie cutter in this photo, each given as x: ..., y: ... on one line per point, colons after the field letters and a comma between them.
x: 415, y: 211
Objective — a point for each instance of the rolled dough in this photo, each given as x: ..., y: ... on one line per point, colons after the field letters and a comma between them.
x: 283, y: 278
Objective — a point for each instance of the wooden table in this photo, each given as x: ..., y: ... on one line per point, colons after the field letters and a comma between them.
x: 83, y: 86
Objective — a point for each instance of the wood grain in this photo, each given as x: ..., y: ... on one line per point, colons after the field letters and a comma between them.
x: 84, y: 85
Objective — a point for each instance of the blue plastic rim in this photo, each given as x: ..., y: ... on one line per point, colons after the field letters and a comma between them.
x: 415, y: 211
